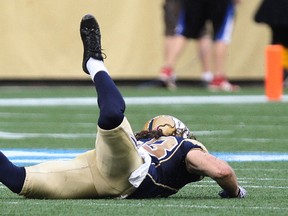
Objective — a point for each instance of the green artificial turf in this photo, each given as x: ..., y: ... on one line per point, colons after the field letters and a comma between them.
x: 253, y: 127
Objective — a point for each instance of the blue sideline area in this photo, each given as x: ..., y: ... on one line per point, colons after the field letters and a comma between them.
x: 26, y: 157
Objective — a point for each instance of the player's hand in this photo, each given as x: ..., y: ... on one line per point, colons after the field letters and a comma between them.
x: 241, y: 194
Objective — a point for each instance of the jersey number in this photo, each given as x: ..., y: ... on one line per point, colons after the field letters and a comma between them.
x: 160, y: 148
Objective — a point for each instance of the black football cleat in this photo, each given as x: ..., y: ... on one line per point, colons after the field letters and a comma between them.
x: 91, y: 38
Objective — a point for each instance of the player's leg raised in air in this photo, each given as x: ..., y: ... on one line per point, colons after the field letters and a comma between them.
x: 116, y: 153
x: 101, y: 172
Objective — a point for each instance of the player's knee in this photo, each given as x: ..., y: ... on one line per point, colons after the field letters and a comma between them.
x: 110, y: 119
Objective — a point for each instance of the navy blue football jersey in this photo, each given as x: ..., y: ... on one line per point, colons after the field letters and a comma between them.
x: 167, y: 172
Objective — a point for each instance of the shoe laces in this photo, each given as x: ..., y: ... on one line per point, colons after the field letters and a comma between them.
x: 92, y: 40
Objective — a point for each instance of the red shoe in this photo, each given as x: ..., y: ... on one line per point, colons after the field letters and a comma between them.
x: 222, y: 84
x: 168, y: 77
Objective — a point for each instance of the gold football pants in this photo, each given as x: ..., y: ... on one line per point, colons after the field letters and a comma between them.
x: 102, y: 172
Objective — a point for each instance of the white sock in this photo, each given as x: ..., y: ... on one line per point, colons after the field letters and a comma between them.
x: 94, y: 66
x: 207, y: 76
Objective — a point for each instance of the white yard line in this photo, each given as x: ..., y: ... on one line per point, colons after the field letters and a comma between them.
x: 163, y: 206
x: 85, y: 101
x: 13, y: 135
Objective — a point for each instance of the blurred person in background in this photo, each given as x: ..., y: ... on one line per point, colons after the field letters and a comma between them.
x: 174, y: 40
x: 188, y: 19
x: 275, y: 15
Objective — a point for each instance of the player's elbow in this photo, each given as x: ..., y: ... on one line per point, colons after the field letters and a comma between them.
x: 223, y: 172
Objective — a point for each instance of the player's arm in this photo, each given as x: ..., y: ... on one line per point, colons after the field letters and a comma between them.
x: 206, y: 164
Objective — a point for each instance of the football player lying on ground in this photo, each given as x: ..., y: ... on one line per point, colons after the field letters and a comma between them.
x: 155, y: 162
